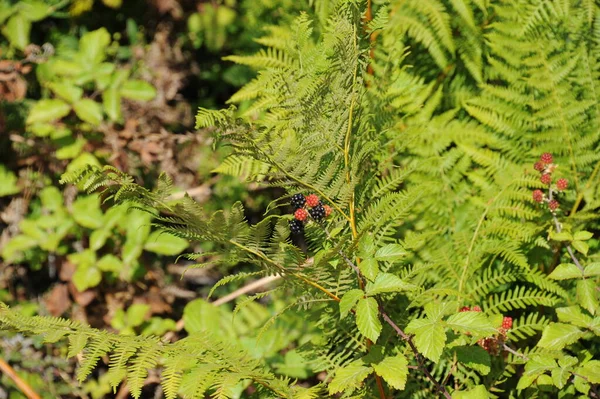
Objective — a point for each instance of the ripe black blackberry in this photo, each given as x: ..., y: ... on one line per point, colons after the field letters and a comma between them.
x: 298, y: 201
x: 317, y: 213
x: 296, y: 226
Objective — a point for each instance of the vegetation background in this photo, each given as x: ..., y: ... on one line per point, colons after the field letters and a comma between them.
x: 423, y: 118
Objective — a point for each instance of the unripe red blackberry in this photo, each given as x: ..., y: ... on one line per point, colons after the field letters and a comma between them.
x: 546, y: 157
x: 301, y: 214
x: 317, y: 213
x: 562, y: 184
x: 553, y: 205
x: 538, y: 195
x: 296, y: 226
x: 539, y: 166
x: 465, y: 309
x: 546, y: 178
x: 298, y: 201
x: 507, y: 323
x: 476, y: 309
x: 312, y: 200
x: 327, y: 210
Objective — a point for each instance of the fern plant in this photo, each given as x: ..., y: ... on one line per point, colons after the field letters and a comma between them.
x: 416, y: 128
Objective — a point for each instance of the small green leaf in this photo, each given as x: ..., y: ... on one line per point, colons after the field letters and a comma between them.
x: 165, y: 244
x: 8, y: 182
x: 76, y: 344
x: 562, y: 236
x: 348, y: 301
x: 369, y: 267
x: 573, y: 315
x: 48, y: 111
x: 393, y: 370
x: 593, y: 269
x: 13, y: 249
x: 136, y: 314
x: 111, y: 100
x: 583, y: 235
x: 109, y: 263
x: 474, y: 357
x: 478, y: 392
x: 88, y: 111
x: 367, y: 318
x: 586, y: 295
x: 581, y: 246
x: 86, y: 211
x: 199, y: 315
x: 86, y: 277
x: 430, y: 337
x: 349, y: 378
x: 565, y: 271
x: 558, y: 335
x: 17, y: 31
x: 70, y: 151
x: 387, y: 282
x: 138, y: 90
x: 93, y: 45
x: 366, y: 246
x: 475, y: 323
x: 390, y: 253
x: 66, y: 91
x: 35, y: 10
x: 591, y: 371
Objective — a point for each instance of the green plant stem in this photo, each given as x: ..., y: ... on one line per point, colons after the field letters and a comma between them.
x: 559, y: 229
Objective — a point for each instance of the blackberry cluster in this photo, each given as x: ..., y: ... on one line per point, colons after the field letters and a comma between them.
x: 318, y: 212
x: 296, y: 226
x: 298, y: 201
x: 546, y: 167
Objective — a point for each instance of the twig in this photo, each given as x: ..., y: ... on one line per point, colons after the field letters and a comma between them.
x: 245, y: 289
x: 514, y: 352
x: 418, y: 356
x: 558, y: 230
x: 19, y: 382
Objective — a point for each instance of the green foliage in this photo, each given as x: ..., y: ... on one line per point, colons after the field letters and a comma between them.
x: 427, y: 165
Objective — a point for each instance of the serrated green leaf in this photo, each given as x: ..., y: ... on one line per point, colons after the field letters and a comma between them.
x: 581, y: 246
x: 583, y: 235
x: 573, y: 315
x: 591, y: 371
x: 366, y: 246
x: 349, y: 378
x: 558, y: 335
x: 393, y: 370
x: 93, y: 45
x: 593, y: 269
x: 86, y: 277
x: 17, y: 31
x: 369, y: 267
x: 165, y: 244
x: 386, y: 282
x: 88, y: 111
x: 586, y: 295
x: 66, y: 91
x: 565, y: 271
x: 430, y: 337
x: 86, y: 211
x: 137, y: 90
x: 48, y: 111
x: 478, y: 392
x: 390, y: 253
x: 562, y: 236
x: 348, y: 301
x: 474, y: 357
x: 111, y: 101
x: 367, y: 318
x: 475, y: 323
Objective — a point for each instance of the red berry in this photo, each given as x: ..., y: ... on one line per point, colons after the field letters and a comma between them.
x: 546, y: 157
x: 312, y: 200
x: 546, y: 178
x: 465, y: 309
x: 301, y: 214
x: 538, y: 195
x: 562, y: 184
x: 539, y: 166
x: 553, y: 205
x: 476, y: 309
x: 507, y: 323
x: 327, y: 210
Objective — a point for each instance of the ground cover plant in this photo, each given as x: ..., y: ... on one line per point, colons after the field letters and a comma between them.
x: 433, y: 228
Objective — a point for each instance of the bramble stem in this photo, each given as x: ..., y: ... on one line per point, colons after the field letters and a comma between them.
x: 559, y: 229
